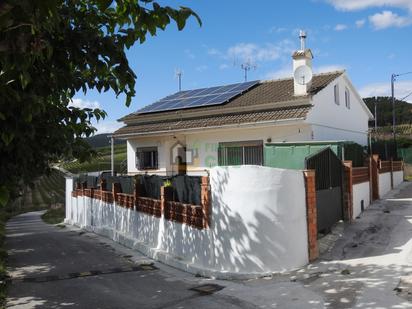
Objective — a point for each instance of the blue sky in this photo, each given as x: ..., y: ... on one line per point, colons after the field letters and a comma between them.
x: 371, y: 39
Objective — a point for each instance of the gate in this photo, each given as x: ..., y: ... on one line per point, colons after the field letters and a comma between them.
x: 329, y: 175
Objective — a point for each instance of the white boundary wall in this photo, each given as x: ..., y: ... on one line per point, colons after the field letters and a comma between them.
x: 258, y: 225
x: 384, y: 184
x: 361, y: 192
x: 397, y: 178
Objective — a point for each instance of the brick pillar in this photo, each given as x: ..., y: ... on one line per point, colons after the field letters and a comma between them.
x: 348, y: 192
x: 205, y: 200
x: 136, y: 193
x: 102, y: 185
x: 162, y: 201
x: 391, y: 173
x: 375, y: 177
x: 311, y: 213
x: 116, y: 189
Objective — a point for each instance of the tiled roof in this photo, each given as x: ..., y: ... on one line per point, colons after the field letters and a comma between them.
x: 276, y: 95
x: 216, y: 121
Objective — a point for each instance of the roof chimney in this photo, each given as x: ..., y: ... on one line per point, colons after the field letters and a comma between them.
x: 302, y: 67
x: 302, y: 36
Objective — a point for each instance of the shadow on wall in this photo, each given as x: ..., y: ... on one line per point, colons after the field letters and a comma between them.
x: 259, y: 219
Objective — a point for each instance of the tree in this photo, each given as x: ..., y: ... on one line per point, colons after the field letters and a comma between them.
x: 51, y: 49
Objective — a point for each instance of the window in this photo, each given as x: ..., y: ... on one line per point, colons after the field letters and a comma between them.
x: 146, y: 158
x: 347, y: 98
x: 336, y: 92
x: 240, y: 153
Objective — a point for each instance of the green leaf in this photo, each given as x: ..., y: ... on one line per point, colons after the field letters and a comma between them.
x: 4, y: 196
x: 7, y: 137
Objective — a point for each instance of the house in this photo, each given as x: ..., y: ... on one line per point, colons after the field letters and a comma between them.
x: 192, y: 131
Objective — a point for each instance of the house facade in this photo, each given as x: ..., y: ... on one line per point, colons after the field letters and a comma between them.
x: 325, y: 107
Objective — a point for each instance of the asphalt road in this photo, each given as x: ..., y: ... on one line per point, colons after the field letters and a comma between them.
x: 54, y: 267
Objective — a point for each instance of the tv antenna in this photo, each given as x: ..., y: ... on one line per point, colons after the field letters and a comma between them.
x: 247, y: 66
x: 178, y: 75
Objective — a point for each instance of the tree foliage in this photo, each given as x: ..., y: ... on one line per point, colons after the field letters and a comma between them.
x: 50, y: 50
x: 403, y: 111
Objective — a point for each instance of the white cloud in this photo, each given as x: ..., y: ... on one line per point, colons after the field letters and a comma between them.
x: 340, y: 27
x: 402, y: 89
x: 254, y: 53
x: 352, y: 5
x: 201, y: 68
x: 190, y: 54
x: 285, y: 72
x: 214, y: 52
x: 106, y: 126
x: 388, y: 19
x: 80, y: 103
x: 360, y: 23
x: 329, y: 68
x: 277, y: 30
x: 223, y: 66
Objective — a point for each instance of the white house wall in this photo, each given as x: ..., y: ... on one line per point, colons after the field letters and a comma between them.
x: 361, y: 193
x: 336, y: 122
x: 384, y: 184
x: 204, y: 144
x: 397, y: 178
x: 258, y: 225
x: 163, y: 145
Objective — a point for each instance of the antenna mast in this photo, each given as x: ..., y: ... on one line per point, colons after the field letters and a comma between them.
x: 179, y: 74
x: 247, y: 66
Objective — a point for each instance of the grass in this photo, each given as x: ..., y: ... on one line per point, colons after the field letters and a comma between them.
x: 54, y: 216
x: 101, y: 162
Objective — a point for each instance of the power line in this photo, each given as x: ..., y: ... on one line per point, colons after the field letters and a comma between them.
x: 409, y: 94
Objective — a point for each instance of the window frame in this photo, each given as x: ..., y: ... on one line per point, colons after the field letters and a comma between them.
x: 336, y: 94
x: 243, y: 149
x: 347, y: 97
x: 154, y: 158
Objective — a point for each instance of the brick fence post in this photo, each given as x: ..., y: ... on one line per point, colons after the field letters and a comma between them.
x: 311, y: 213
x: 136, y: 193
x: 375, y: 177
x: 205, y: 200
x: 348, y: 194
x: 116, y: 188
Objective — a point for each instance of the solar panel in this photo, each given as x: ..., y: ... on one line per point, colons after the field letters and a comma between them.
x: 198, y: 97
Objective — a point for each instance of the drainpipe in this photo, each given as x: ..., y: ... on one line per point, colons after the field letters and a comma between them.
x: 112, y: 153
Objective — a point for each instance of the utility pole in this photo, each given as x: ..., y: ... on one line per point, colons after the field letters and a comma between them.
x: 393, y: 78
x: 376, y: 116
x: 112, y: 154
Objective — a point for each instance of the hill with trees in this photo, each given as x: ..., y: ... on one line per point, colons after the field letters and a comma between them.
x: 403, y: 111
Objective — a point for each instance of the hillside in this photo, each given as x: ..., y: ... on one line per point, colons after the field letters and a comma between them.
x: 102, y: 162
x: 102, y: 140
x: 403, y: 111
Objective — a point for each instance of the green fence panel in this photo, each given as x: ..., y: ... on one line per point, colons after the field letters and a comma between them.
x: 405, y: 154
x: 292, y: 155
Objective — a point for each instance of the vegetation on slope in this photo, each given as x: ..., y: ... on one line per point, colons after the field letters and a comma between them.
x: 403, y: 111
x: 101, y: 162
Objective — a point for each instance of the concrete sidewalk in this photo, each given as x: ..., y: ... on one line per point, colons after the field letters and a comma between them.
x: 368, y: 267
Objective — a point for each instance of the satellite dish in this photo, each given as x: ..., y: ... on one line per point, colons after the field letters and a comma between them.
x: 303, y: 75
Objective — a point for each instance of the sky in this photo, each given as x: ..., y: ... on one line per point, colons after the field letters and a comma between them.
x: 370, y: 39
